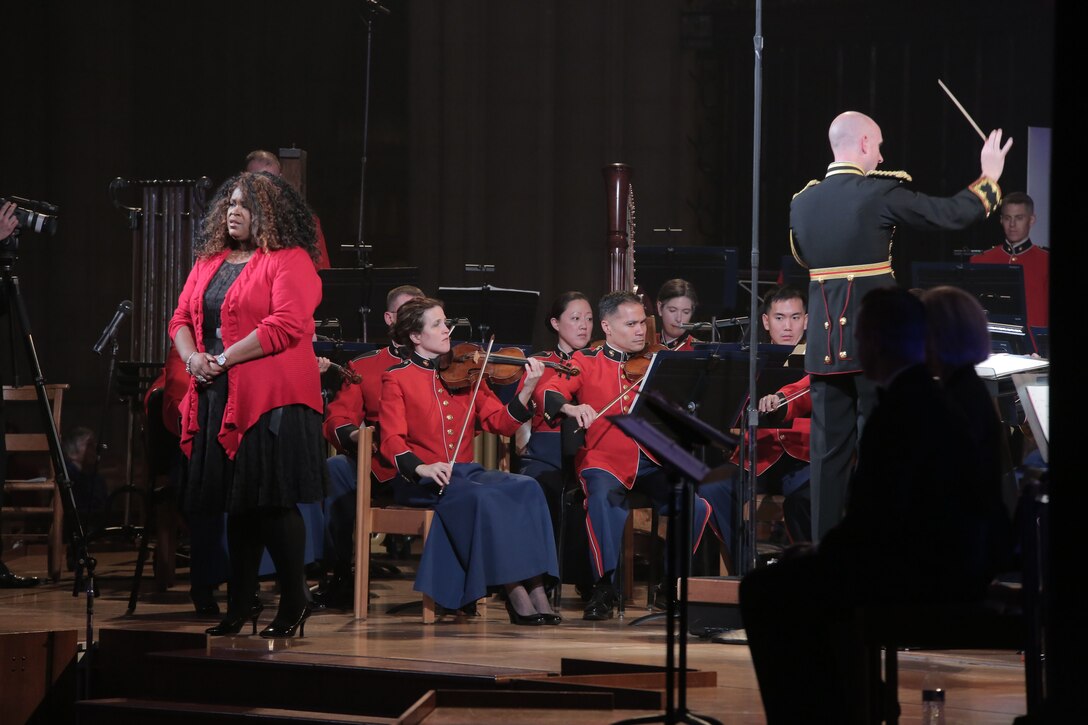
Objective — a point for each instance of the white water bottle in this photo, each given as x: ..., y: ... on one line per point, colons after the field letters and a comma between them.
x: 932, y: 696
x: 933, y: 707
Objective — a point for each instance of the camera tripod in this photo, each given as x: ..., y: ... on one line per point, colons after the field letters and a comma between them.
x: 84, y: 562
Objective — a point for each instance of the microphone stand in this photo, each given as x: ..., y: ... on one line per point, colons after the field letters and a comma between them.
x: 746, y: 559
x: 102, y: 446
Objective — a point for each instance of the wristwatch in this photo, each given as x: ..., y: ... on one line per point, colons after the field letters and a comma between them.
x: 221, y: 359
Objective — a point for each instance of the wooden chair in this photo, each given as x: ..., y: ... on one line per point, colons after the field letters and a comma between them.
x: 38, y: 498
x: 370, y: 519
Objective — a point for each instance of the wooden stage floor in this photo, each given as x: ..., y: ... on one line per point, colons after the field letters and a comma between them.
x: 982, y: 686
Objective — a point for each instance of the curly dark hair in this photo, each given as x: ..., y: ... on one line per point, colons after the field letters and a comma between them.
x: 280, y: 216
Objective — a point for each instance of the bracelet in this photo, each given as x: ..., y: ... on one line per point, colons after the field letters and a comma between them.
x: 189, y: 359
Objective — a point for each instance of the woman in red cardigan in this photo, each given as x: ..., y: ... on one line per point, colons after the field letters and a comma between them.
x: 251, y: 419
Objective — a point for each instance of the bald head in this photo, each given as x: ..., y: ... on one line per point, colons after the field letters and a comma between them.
x: 856, y: 138
x: 261, y: 160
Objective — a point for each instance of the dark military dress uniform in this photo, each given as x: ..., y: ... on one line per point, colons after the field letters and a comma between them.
x: 841, y: 229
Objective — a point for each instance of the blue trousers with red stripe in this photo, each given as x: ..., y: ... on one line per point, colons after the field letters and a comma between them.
x: 608, y: 504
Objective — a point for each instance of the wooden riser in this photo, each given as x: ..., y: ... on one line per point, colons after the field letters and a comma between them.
x: 220, y: 683
x: 125, y: 711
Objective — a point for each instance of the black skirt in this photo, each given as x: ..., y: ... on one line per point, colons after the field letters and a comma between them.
x: 280, y: 461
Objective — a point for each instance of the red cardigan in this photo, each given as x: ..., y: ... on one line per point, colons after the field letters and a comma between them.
x: 276, y: 295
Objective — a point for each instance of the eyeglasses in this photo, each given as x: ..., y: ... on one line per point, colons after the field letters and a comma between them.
x: 1018, y: 218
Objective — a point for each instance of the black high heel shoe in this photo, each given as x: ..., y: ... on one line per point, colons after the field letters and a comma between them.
x: 550, y: 618
x: 278, y: 629
x: 234, y: 624
x: 530, y: 620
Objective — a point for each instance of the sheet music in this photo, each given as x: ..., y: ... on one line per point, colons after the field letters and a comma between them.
x: 1034, y: 392
x: 1003, y: 364
x: 1040, y: 403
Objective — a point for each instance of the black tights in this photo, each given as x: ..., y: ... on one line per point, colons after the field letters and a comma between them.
x: 283, y: 532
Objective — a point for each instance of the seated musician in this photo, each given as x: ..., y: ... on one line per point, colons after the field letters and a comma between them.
x: 490, y: 528
x: 540, y: 446
x: 1017, y: 219
x: 611, y: 463
x: 676, y: 303
x: 571, y: 318
x: 782, y: 453
x: 353, y: 404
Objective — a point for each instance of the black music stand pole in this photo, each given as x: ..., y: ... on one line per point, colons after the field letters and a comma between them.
x: 685, y: 470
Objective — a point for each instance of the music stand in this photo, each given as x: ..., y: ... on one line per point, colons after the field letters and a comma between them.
x: 504, y: 313
x: 712, y: 270
x: 353, y: 299
x: 999, y: 287
x: 685, y: 471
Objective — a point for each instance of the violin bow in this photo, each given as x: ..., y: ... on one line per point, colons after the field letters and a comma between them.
x: 962, y: 110
x: 471, y: 405
x: 635, y: 386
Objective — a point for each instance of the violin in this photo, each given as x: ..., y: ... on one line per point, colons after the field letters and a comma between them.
x: 347, y: 374
x: 638, y: 363
x: 463, y: 365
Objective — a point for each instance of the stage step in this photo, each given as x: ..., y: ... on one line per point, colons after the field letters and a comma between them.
x: 296, y: 678
x: 141, y: 673
x: 132, y: 711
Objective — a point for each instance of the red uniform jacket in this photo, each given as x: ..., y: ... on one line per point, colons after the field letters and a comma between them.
x: 276, y: 295
x: 421, y: 419
x: 601, y: 381
x: 684, y: 343
x: 355, y: 403
x: 174, y: 382
x: 550, y: 356
x: 773, y: 443
x: 1036, y: 264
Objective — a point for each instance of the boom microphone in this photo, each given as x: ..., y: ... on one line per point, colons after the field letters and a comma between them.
x: 123, y: 311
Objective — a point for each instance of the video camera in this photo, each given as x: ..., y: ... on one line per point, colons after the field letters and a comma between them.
x: 35, y: 216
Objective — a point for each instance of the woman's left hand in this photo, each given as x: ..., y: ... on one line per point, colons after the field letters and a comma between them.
x: 534, y: 368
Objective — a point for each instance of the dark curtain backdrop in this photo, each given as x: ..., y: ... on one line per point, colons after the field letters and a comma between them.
x: 489, y: 125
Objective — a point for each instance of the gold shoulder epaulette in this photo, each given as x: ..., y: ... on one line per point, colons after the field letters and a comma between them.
x: 808, y: 185
x: 901, y: 175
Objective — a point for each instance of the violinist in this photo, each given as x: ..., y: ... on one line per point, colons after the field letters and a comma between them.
x: 676, y: 303
x: 571, y: 318
x: 491, y: 528
x: 353, y: 404
x: 611, y: 463
x: 782, y: 453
